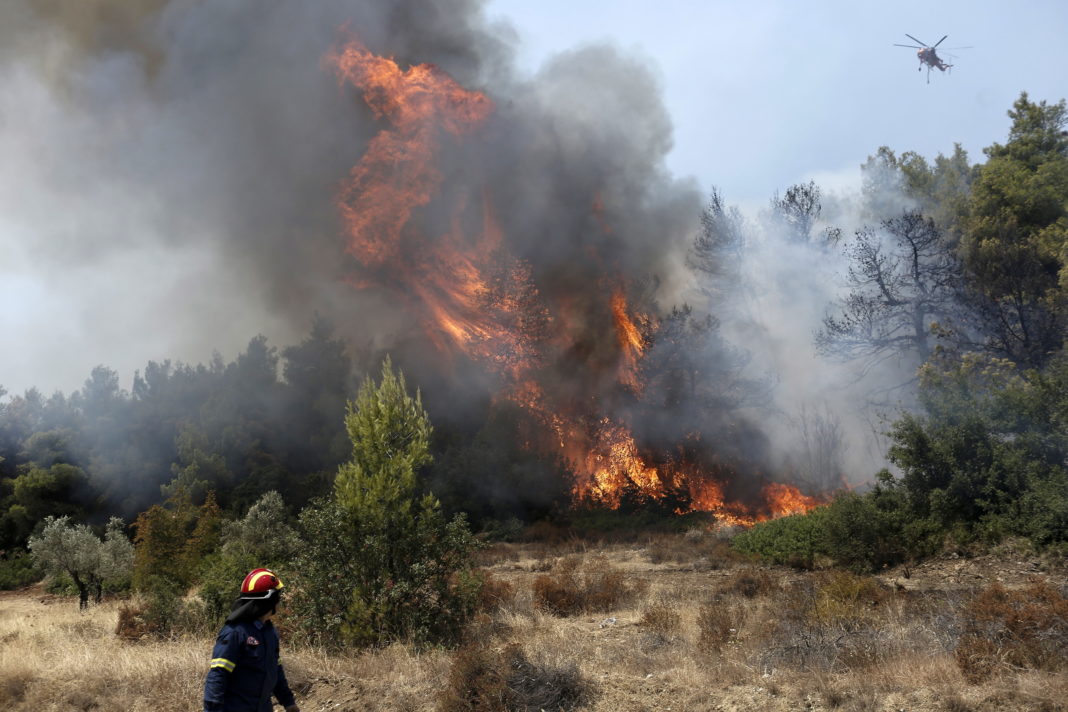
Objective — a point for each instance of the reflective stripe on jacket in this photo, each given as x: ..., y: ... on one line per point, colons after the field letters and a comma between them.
x: 244, y: 666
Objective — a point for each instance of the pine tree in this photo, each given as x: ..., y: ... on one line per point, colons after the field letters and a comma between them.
x: 397, y: 567
x: 390, y: 434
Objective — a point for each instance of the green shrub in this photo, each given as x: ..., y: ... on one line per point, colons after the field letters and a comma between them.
x: 262, y: 538
x: 793, y: 541
x: 17, y: 570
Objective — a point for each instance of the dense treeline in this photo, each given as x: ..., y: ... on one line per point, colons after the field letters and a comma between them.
x: 238, y: 429
x: 971, y: 281
x: 268, y: 421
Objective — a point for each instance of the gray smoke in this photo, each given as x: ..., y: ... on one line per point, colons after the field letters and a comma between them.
x: 171, y: 167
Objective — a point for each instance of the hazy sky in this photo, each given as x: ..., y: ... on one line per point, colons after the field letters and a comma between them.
x: 115, y: 208
x: 765, y: 94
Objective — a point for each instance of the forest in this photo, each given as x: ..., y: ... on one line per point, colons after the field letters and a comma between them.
x: 326, y: 457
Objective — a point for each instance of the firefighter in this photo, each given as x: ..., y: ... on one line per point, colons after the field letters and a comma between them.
x: 245, y: 668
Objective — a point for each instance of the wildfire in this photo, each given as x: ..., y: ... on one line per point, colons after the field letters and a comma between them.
x: 397, y: 173
x: 478, y: 299
x: 631, y: 342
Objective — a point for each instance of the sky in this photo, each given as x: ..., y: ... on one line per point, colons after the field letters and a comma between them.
x: 100, y: 266
x: 767, y: 94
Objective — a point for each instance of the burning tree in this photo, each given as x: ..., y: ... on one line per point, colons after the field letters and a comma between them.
x: 567, y: 335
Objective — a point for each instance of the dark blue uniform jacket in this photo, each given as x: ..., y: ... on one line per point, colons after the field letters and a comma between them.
x: 245, y: 670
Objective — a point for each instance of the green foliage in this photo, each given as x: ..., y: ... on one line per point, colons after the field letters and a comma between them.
x: 197, y: 470
x: 1017, y: 239
x: 390, y: 434
x: 990, y: 453
x: 39, y: 492
x: 17, y: 570
x: 173, y: 539
x: 326, y: 571
x: 939, y: 191
x: 862, y: 532
x: 262, y: 538
x: 868, y: 532
x: 382, y: 562
x: 415, y: 583
x: 494, y: 479
x: 794, y: 541
x: 985, y: 461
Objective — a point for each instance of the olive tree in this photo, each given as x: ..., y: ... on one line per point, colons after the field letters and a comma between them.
x: 73, y: 549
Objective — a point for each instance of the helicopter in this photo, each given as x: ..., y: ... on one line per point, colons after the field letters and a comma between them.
x: 927, y: 55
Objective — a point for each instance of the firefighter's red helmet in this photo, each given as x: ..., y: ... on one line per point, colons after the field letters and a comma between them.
x: 260, y: 583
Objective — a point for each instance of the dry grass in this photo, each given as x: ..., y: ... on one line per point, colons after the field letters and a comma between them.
x: 693, y: 637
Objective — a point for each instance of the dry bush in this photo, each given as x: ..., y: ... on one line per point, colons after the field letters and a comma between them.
x: 550, y: 534
x: 13, y: 684
x: 483, y: 627
x: 717, y: 625
x: 559, y: 594
x: 696, y: 547
x: 575, y: 586
x: 660, y: 626
x: 829, y: 622
x: 540, y: 686
x: 750, y: 583
x: 132, y: 625
x: 496, y: 553
x: 494, y: 594
x: 477, y: 682
x: 661, y: 619
x: 845, y: 598
x: 1025, y: 629
x: 485, y: 680
x: 955, y: 703
x: 860, y: 697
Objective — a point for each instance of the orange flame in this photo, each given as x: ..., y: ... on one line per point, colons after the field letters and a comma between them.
x: 397, y: 174
x: 478, y: 299
x: 784, y: 500
x: 631, y: 342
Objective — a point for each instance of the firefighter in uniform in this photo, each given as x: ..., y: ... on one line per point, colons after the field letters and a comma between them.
x: 245, y: 669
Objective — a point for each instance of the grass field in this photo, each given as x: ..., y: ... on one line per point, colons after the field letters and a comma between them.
x: 672, y: 623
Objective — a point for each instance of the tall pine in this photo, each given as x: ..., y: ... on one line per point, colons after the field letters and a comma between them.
x: 408, y: 571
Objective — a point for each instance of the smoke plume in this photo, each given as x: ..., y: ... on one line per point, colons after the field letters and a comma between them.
x: 180, y: 176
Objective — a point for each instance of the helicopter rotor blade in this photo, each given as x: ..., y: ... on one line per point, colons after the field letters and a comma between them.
x: 916, y: 40
x: 940, y: 41
x: 913, y: 46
